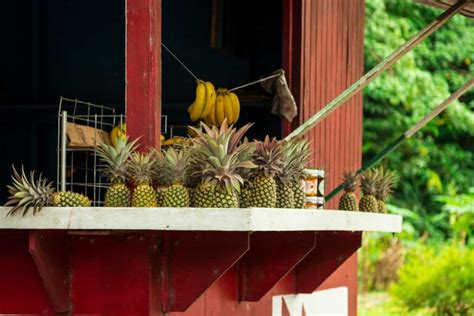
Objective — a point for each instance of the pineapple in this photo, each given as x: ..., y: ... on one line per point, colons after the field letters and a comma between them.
x: 296, y: 156
x: 158, y: 178
x: 114, y: 159
x: 140, y: 167
x: 245, y: 194
x: 268, y: 159
x: 36, y: 193
x: 218, y: 160
x: 387, y: 181
x: 175, y: 172
x: 368, y: 185
x: 348, y: 201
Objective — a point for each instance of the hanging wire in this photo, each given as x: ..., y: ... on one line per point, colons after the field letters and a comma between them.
x: 256, y: 81
x: 195, y: 77
x: 179, y: 61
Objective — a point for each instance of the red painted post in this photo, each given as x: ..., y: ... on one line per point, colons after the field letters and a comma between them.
x: 143, y: 70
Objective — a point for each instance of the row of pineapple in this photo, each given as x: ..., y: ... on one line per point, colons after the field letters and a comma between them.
x: 218, y: 168
x: 376, y: 186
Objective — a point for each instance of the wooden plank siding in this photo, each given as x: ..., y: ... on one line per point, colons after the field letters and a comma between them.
x: 329, y: 59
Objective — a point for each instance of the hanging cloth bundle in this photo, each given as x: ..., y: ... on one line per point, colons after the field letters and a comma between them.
x: 283, y: 103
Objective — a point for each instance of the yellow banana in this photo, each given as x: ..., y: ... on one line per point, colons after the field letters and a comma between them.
x: 118, y: 132
x: 220, y: 115
x: 210, y: 120
x: 210, y: 99
x: 235, y: 106
x: 197, y: 106
x: 228, y: 110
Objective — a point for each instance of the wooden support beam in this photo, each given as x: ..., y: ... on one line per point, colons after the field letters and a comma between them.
x: 50, y: 253
x: 332, y: 249
x: 193, y: 261
x: 377, y: 70
x: 271, y: 257
x: 143, y: 71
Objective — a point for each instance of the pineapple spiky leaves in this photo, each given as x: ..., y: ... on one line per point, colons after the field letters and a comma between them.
x: 348, y: 201
x: 140, y: 166
x: 175, y: 172
x: 269, y: 161
x: 158, y: 176
x: 36, y: 193
x: 115, y: 167
x: 368, y: 184
x: 386, y: 182
x: 220, y: 159
x: 290, y: 193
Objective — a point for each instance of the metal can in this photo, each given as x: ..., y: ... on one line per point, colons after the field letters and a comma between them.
x: 314, y: 182
x: 314, y: 202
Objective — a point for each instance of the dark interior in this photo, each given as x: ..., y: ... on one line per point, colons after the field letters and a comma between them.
x: 75, y: 49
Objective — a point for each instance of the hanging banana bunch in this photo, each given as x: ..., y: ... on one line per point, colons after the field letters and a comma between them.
x: 212, y: 106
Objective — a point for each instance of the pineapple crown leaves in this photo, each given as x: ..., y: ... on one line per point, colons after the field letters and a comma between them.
x: 267, y: 157
x: 351, y: 180
x: 140, y: 167
x: 295, y: 154
x: 369, y: 181
x: 386, y: 181
x: 28, y: 192
x: 176, y: 165
x: 114, y: 158
x: 219, y: 155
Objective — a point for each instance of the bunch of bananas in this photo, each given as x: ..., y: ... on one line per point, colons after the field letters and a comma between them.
x: 214, y: 106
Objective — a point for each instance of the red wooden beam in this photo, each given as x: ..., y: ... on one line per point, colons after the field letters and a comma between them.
x: 51, y: 255
x: 143, y: 70
x: 193, y: 261
x: 271, y: 257
x: 332, y: 249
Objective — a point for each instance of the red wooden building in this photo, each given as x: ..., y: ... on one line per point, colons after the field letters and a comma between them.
x: 97, y: 262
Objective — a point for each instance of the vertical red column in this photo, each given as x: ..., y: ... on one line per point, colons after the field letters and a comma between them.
x: 143, y: 70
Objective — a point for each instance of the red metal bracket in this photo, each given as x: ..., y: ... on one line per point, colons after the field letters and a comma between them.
x: 332, y: 249
x: 50, y: 253
x: 193, y: 261
x: 271, y: 257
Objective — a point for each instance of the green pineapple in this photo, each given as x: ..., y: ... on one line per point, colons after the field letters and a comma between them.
x: 218, y: 159
x: 268, y: 159
x: 387, y: 180
x: 140, y: 167
x: 114, y: 159
x: 175, y: 172
x: 29, y: 192
x: 245, y: 195
x: 348, y: 201
x: 368, y: 185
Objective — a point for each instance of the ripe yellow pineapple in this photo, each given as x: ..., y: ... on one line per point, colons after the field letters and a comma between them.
x: 348, y: 201
x: 175, y: 172
x: 368, y: 185
x: 29, y: 192
x: 218, y: 157
x: 140, y: 167
x: 268, y: 159
x: 114, y: 159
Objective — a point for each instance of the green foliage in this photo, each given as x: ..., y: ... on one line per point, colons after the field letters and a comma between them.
x: 461, y: 216
x: 441, y: 280
x: 440, y: 158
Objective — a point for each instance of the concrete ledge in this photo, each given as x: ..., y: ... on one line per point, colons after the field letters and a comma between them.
x: 198, y: 219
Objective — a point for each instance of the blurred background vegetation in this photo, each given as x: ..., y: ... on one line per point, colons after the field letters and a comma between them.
x: 429, y: 268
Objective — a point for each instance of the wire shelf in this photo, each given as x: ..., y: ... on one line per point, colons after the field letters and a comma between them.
x: 78, y: 168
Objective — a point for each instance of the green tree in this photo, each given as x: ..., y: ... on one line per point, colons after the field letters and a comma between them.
x: 440, y: 158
